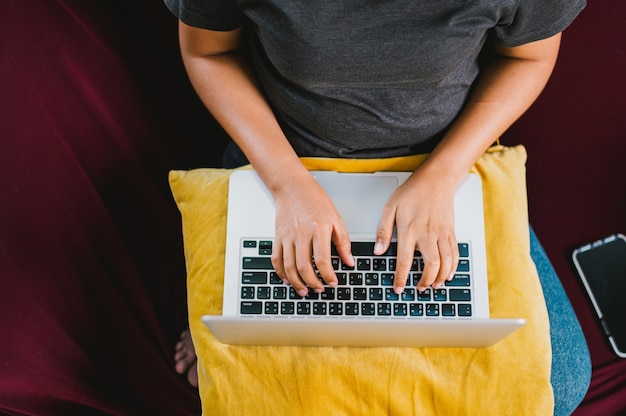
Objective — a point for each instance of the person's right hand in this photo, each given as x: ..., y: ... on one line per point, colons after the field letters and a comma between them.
x: 306, y: 224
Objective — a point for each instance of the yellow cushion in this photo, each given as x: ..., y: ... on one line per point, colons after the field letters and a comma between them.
x: 511, y: 377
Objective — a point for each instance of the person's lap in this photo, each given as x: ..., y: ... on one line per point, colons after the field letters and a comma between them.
x: 571, y: 362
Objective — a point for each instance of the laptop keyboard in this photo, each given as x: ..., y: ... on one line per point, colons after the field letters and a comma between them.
x: 363, y: 290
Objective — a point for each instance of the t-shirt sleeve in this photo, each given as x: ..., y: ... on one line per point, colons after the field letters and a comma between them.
x: 534, y: 20
x: 221, y: 15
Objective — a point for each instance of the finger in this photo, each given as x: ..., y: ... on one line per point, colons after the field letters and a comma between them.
x: 291, y: 270
x: 404, y: 261
x: 454, y: 245
x: 277, y: 261
x: 342, y: 244
x: 445, y: 263
x: 432, y: 262
x: 323, y: 262
x: 304, y: 266
x: 384, y: 232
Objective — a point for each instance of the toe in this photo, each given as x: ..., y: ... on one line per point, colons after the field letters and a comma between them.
x: 185, y: 358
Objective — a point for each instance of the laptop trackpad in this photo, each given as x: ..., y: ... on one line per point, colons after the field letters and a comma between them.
x: 359, y: 198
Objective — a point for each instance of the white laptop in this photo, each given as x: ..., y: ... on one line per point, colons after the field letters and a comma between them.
x: 363, y: 310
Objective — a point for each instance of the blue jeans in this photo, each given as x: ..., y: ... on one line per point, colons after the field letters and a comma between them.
x: 571, y: 363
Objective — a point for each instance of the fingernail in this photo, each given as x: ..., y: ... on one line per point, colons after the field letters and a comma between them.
x: 303, y: 292
x: 318, y: 290
x: 378, y: 248
x: 437, y: 285
x: 398, y: 290
x: 332, y: 284
x: 450, y: 277
x: 285, y: 281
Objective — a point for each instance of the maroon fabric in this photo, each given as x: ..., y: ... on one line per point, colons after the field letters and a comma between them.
x: 95, y: 109
x: 575, y: 136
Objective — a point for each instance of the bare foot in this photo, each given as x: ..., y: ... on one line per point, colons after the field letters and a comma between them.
x: 185, y: 358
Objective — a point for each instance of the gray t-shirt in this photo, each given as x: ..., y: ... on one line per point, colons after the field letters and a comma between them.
x: 376, y: 78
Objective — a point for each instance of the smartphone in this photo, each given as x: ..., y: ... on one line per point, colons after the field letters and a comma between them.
x: 601, y: 266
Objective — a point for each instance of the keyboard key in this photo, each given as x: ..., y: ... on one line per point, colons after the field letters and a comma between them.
x: 390, y: 294
x: 293, y: 294
x: 274, y: 279
x: 423, y: 296
x: 249, y: 243
x: 271, y: 308
x: 335, y: 308
x: 416, y: 278
x: 432, y: 309
x: 399, y: 309
x: 303, y: 308
x: 247, y: 292
x: 344, y: 293
x: 263, y: 292
x: 447, y: 309
x: 463, y: 250
x: 379, y: 264
x: 328, y: 293
x: 463, y: 266
x: 352, y: 308
x: 319, y: 308
x: 344, y: 266
x: 279, y: 292
x: 287, y: 308
x: 465, y: 309
x: 363, y: 264
x: 371, y: 279
x: 459, y: 280
x: 386, y: 279
x: 265, y: 244
x: 251, y: 308
x: 362, y: 248
x: 408, y: 295
x: 312, y: 295
x: 416, y: 309
x: 356, y: 279
x: 368, y: 309
x: 254, y: 278
x: 261, y: 263
x: 440, y: 295
x: 460, y: 295
x: 384, y: 309
x: 341, y: 279
x: 376, y: 293
x: 359, y: 293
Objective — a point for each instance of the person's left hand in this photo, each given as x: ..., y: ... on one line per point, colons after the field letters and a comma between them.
x: 422, y: 210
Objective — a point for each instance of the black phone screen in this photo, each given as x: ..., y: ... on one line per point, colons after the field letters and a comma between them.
x: 603, y: 268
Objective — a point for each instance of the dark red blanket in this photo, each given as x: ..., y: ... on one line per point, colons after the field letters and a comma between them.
x: 95, y: 109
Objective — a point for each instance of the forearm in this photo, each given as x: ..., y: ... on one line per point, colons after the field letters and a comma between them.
x: 227, y: 87
x: 505, y: 90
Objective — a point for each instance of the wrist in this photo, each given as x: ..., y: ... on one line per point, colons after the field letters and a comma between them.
x: 445, y: 176
x: 283, y: 177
